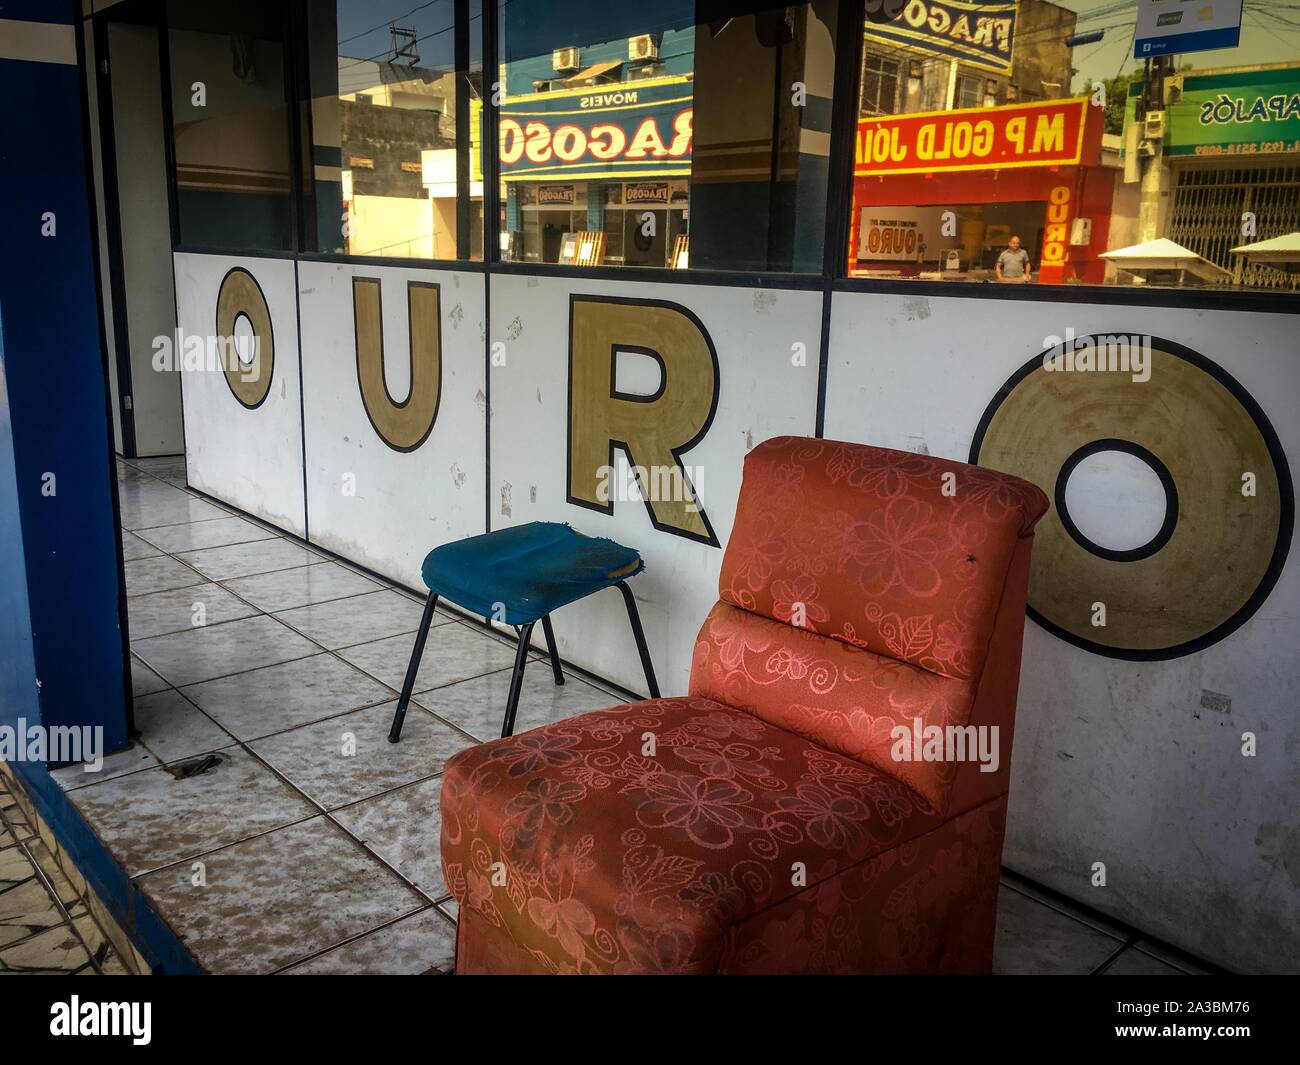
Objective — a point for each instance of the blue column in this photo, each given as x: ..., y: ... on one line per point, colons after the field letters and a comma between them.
x: 59, y: 521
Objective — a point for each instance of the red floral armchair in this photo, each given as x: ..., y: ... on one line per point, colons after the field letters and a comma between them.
x: 795, y: 812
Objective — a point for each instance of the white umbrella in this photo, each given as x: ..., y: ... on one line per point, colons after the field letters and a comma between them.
x: 1164, y: 256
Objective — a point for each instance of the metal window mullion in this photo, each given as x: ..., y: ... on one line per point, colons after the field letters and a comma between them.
x: 460, y: 18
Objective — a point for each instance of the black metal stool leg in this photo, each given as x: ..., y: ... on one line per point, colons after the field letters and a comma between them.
x: 517, y: 680
x: 639, y: 633
x: 550, y: 647
x: 412, y: 668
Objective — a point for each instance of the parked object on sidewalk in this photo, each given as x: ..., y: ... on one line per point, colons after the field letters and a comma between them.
x: 780, y: 818
x: 520, y: 576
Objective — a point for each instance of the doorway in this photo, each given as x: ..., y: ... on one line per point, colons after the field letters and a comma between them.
x: 126, y: 58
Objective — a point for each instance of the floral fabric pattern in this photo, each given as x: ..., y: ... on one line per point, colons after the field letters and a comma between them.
x: 761, y: 824
x: 846, y: 699
x: 896, y: 553
x: 594, y: 857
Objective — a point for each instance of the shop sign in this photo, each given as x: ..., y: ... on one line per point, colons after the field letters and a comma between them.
x: 646, y: 192
x: 555, y: 195
x: 899, y: 234
x: 982, y: 138
x: 625, y: 129
x: 1056, y: 235
x: 1245, y: 113
x: 1174, y: 29
x: 978, y: 34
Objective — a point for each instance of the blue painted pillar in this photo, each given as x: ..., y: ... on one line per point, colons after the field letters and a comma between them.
x: 57, y: 499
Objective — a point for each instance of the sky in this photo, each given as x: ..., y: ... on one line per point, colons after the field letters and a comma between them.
x: 1270, y: 34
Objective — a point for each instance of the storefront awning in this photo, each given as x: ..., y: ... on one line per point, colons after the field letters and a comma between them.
x: 1163, y: 254
x: 1281, y: 253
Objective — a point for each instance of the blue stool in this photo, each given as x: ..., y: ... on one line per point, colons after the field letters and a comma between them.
x: 519, y: 576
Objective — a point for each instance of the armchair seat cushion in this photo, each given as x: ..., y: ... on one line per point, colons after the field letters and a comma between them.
x: 640, y: 838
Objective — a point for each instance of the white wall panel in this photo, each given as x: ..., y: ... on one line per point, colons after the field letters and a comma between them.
x: 761, y: 394
x: 1137, y: 764
x: 405, y: 503
x: 249, y: 458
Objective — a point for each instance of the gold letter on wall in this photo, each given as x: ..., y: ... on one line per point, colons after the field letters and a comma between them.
x: 240, y: 297
x: 653, y: 430
x: 406, y: 425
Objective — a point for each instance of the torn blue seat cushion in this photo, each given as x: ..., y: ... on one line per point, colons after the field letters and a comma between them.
x: 529, y: 570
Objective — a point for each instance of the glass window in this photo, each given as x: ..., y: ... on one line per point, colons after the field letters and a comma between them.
x: 970, y: 92
x: 879, y: 84
x: 231, y: 123
x: 392, y: 139
x: 668, y: 135
x: 1028, y: 145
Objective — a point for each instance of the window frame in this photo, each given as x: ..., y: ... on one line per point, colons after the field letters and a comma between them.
x: 897, y: 75
x: 832, y: 278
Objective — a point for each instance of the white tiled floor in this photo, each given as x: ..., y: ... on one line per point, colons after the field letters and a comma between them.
x: 262, y: 808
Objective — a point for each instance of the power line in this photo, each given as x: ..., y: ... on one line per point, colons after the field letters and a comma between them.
x: 389, y: 22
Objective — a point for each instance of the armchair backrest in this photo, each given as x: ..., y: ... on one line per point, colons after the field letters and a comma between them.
x: 864, y: 591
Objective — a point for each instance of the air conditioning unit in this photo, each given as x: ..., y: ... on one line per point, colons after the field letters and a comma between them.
x: 565, y: 60
x: 1153, y: 126
x: 642, y: 47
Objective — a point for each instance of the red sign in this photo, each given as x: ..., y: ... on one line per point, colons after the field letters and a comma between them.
x: 981, y: 138
x: 1056, y: 236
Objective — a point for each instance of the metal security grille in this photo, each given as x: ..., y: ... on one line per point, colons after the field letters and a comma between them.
x: 1207, y: 214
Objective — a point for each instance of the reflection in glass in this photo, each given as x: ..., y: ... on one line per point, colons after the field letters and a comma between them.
x: 230, y: 123
x: 384, y: 119
x: 991, y: 131
x: 684, y: 135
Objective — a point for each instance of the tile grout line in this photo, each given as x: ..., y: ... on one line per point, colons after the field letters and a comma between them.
x: 331, y: 815
x: 1093, y: 919
x: 1114, y: 956
x: 362, y: 935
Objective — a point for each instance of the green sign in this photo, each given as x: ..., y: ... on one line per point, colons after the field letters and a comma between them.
x: 1253, y: 112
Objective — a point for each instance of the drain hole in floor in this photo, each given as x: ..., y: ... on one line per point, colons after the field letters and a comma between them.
x: 194, y: 767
